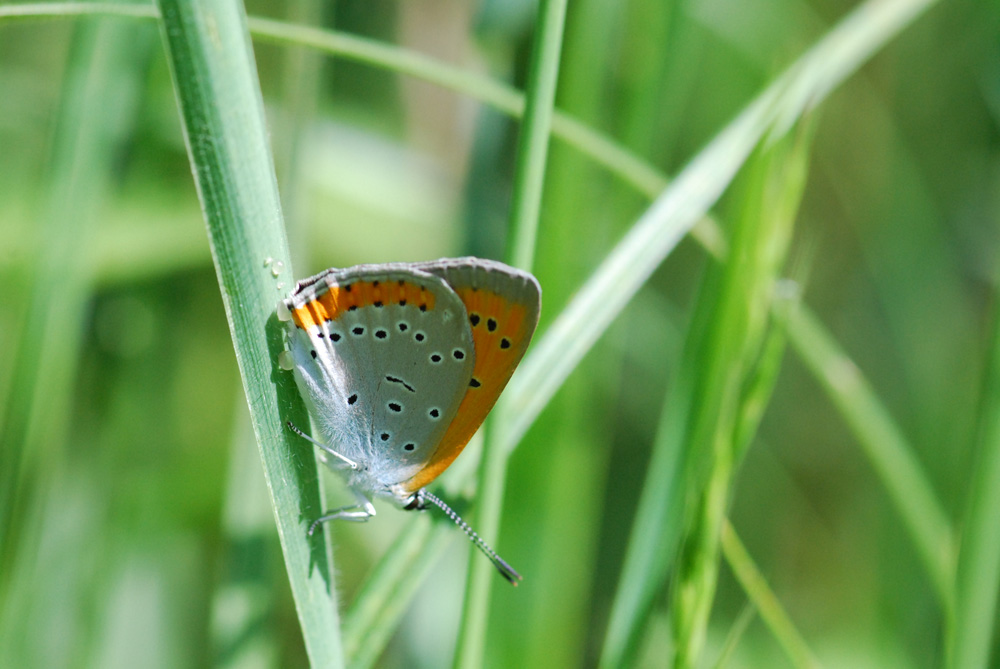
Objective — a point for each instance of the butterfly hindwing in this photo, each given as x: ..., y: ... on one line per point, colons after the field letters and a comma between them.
x: 502, y: 306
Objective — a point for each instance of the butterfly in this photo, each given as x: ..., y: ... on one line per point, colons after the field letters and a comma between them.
x: 399, y: 364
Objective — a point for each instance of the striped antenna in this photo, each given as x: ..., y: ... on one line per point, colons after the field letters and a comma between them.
x: 505, y: 569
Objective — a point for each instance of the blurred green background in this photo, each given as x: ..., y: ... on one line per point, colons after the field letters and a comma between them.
x: 129, y: 465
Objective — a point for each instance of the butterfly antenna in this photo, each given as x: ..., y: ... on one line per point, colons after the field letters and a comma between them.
x: 505, y: 569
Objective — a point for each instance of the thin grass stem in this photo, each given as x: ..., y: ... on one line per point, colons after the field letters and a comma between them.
x: 526, y: 199
x: 765, y: 601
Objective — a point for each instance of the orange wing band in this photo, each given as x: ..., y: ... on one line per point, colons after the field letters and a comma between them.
x: 330, y: 304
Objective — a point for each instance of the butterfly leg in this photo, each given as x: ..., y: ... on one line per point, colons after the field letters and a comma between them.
x: 343, y: 459
x: 357, y: 513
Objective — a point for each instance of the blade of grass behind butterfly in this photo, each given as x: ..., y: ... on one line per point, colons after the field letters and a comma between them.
x: 804, y: 84
x: 95, y: 114
x: 725, y: 351
x: 386, y: 594
x: 526, y: 198
x: 216, y: 85
x: 564, y: 461
x: 978, y: 574
x: 58, y: 10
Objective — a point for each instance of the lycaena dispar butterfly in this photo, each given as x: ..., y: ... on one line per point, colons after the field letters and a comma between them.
x: 400, y: 363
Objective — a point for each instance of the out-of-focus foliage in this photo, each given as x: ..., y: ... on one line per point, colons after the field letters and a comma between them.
x: 133, y: 480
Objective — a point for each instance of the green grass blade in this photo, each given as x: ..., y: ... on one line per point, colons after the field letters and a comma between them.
x: 243, y: 626
x: 216, y: 84
x: 764, y: 599
x: 569, y: 452
x: 724, y: 350
x: 378, y: 591
x: 58, y: 10
x: 479, y: 580
x: 526, y: 201
x: 661, y: 507
x: 978, y: 575
x: 536, y: 128
x: 884, y: 444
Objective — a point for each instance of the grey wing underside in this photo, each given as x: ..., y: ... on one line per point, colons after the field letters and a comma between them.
x: 383, y: 383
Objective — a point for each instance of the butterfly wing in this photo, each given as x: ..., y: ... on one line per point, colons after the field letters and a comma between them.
x: 383, y: 355
x: 502, y: 305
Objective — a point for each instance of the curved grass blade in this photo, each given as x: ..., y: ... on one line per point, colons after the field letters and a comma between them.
x: 643, y: 176
x: 890, y: 454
